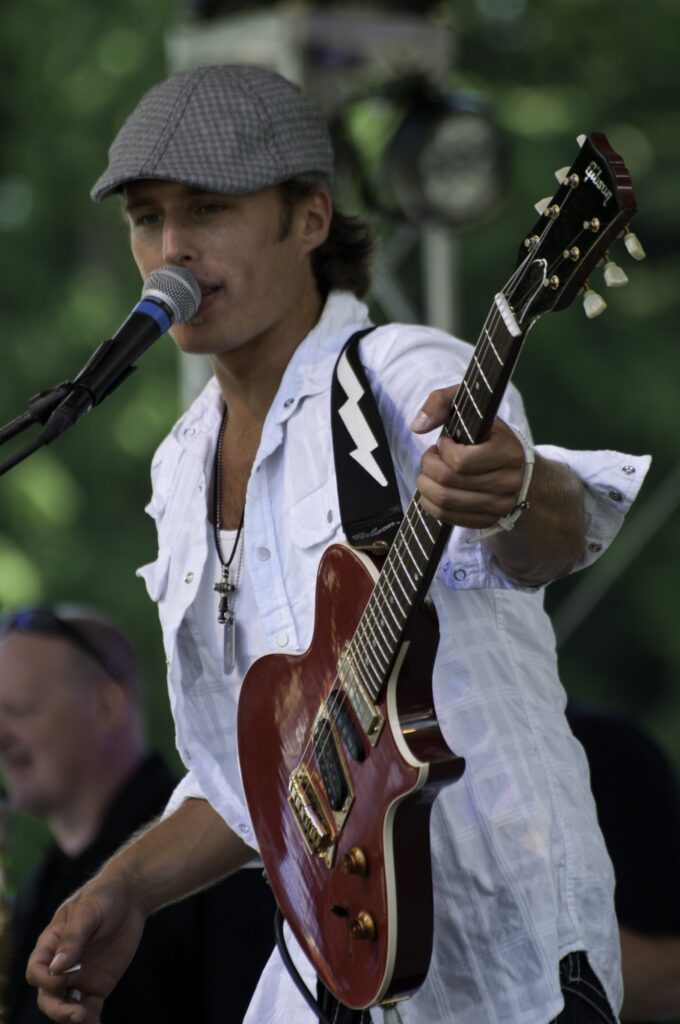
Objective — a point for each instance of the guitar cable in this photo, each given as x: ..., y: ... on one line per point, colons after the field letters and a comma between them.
x: 293, y: 971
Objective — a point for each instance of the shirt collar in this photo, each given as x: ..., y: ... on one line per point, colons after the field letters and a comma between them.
x: 307, y: 373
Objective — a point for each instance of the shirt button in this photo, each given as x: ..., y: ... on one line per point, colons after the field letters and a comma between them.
x: 615, y: 495
x: 287, y: 404
x: 189, y: 577
x: 595, y: 546
x: 189, y: 431
x: 459, y: 574
x: 629, y: 470
x: 243, y: 829
x: 282, y: 639
x: 264, y: 554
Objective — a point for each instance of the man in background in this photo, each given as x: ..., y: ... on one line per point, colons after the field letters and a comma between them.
x: 73, y: 755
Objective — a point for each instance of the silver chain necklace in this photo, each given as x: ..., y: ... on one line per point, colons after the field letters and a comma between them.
x: 226, y: 586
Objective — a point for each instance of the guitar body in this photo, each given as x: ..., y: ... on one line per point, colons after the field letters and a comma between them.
x: 342, y: 816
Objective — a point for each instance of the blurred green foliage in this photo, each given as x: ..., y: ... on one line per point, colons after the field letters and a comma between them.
x: 71, y: 521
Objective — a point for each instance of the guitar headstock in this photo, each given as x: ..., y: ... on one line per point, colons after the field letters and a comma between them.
x: 589, y: 210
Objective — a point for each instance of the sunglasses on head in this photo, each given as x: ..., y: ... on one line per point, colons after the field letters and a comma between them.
x: 48, y: 623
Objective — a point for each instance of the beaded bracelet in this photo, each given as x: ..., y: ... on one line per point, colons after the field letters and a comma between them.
x: 508, y: 521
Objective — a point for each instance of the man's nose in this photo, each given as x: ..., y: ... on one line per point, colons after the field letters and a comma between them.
x: 178, y: 244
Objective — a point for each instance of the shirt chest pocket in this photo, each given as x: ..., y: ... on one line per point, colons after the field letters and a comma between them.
x: 314, y: 521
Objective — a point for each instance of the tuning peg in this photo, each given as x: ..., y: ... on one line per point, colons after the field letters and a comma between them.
x: 562, y: 174
x: 632, y: 244
x: 542, y: 205
x: 593, y: 304
x: 614, y: 276
x: 581, y: 139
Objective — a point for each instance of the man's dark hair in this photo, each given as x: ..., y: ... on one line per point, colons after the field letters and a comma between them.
x: 344, y: 260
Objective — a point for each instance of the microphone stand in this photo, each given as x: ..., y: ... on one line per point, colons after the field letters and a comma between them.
x: 40, y: 408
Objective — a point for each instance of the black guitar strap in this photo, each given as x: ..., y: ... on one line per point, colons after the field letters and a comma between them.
x: 370, y: 508
x: 370, y: 511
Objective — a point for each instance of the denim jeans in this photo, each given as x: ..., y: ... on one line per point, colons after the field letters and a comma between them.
x: 584, y: 998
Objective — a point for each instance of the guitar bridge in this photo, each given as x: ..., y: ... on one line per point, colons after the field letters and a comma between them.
x: 310, y: 815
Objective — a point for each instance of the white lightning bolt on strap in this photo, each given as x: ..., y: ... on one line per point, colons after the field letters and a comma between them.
x: 356, y: 422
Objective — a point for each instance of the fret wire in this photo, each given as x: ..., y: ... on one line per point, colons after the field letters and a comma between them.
x: 396, y: 613
x: 382, y: 622
x: 493, y: 347
x: 397, y: 555
x: 414, y: 530
x: 482, y: 374
x: 371, y: 650
x: 386, y: 605
x: 363, y: 666
x: 356, y: 670
x: 462, y: 424
x: 394, y: 597
x: 471, y: 397
x: 372, y: 621
x: 415, y: 536
x: 412, y: 555
x: 402, y: 543
x: 390, y: 567
x: 376, y: 685
x: 423, y: 517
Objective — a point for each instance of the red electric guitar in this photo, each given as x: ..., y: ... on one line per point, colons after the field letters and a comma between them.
x: 340, y: 749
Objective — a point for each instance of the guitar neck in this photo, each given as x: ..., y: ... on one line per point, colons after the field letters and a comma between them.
x: 412, y: 561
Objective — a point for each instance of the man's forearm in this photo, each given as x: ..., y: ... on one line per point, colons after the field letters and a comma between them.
x: 176, y: 856
x: 547, y: 540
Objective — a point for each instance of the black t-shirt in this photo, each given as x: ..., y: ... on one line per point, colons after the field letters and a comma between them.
x: 638, y: 805
x: 198, y: 961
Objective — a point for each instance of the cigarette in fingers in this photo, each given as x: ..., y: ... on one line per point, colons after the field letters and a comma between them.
x: 71, y: 970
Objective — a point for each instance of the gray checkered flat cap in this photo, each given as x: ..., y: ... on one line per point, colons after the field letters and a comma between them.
x: 223, y: 128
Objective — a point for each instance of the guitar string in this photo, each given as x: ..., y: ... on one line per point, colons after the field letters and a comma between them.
x: 460, y: 408
x: 388, y: 575
x: 356, y: 668
x: 375, y: 614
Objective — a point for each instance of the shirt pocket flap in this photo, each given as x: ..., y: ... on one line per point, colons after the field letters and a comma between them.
x: 315, y: 519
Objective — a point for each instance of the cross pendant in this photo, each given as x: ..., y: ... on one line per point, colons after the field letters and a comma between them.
x: 224, y: 588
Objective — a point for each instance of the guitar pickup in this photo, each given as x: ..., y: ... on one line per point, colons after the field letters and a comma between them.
x: 330, y: 765
x: 347, y: 731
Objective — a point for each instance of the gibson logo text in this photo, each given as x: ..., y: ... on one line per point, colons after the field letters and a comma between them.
x: 594, y: 173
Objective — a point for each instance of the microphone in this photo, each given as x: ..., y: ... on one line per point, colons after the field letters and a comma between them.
x: 170, y: 295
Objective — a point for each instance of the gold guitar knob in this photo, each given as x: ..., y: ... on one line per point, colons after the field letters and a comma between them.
x: 363, y: 926
x: 355, y: 862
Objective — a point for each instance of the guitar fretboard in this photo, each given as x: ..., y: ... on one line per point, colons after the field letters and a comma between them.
x: 411, y: 563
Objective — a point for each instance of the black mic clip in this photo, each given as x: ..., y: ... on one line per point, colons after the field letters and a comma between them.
x: 84, y: 392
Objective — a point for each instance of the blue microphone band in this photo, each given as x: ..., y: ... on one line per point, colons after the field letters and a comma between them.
x: 156, y: 312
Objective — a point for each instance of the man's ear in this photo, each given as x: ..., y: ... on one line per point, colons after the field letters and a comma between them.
x: 112, y: 702
x: 316, y: 212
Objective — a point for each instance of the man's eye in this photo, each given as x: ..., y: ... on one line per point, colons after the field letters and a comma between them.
x: 146, y: 220
x: 211, y: 208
